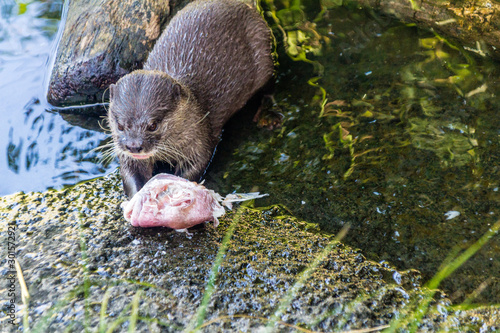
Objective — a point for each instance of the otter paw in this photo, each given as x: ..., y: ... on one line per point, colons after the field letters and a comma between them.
x: 269, y: 114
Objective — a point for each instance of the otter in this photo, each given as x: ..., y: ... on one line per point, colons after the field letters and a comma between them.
x: 212, y: 57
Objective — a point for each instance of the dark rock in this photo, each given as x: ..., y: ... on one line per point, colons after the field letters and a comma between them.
x: 90, y: 259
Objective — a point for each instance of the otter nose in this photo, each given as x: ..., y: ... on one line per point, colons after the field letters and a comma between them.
x: 134, y: 148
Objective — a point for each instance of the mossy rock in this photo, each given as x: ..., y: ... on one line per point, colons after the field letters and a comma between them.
x: 79, y: 255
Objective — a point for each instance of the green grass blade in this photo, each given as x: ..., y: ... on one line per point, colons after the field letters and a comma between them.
x: 104, y: 306
x: 292, y: 292
x: 199, y: 317
x: 135, y: 311
x: 416, y: 316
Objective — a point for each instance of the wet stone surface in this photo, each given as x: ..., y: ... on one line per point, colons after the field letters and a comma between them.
x: 80, y: 258
x: 405, y: 149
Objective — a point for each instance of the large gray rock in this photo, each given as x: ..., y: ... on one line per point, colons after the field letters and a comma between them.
x: 76, y: 250
x: 102, y: 40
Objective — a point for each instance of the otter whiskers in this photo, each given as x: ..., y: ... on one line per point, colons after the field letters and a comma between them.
x: 169, y: 152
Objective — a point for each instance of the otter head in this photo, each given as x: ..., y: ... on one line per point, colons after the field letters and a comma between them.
x: 155, y: 118
x: 141, y: 104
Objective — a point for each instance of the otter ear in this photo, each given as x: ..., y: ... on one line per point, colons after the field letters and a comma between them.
x: 112, y: 89
x: 176, y: 91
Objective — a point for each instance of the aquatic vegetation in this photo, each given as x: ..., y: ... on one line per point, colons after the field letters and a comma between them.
x: 441, y: 70
x: 438, y: 75
x: 299, y: 37
x: 408, y: 132
x: 427, y: 122
x: 454, y: 144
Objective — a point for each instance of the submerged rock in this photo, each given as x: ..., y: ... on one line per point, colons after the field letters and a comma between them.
x: 80, y: 257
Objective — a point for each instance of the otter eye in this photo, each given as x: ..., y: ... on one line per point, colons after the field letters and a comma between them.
x: 153, y: 126
x: 120, y: 127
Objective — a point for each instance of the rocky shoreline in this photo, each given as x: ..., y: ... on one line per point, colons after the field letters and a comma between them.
x: 86, y: 267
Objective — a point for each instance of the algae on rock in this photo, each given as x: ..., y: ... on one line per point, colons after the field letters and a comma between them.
x: 85, y: 266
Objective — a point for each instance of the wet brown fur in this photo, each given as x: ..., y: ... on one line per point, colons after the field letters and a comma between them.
x: 212, y: 57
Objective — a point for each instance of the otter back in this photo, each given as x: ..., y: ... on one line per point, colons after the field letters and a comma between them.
x: 211, y: 58
x: 221, y: 50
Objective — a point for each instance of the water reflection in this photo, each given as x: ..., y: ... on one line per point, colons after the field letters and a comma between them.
x: 409, y: 134
x: 38, y: 149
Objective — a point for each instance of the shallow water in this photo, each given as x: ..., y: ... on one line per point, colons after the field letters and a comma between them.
x: 38, y: 149
x: 405, y: 150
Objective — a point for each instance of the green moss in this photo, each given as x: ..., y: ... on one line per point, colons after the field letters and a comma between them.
x: 406, y: 132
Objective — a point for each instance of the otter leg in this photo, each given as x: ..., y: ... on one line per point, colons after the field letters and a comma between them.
x: 195, y: 165
x: 269, y: 114
x: 134, y: 175
x: 194, y: 173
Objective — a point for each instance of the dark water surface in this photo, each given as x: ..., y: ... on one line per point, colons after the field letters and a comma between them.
x: 406, y: 148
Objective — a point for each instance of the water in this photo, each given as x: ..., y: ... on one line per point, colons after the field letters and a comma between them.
x: 405, y: 149
x: 38, y: 149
